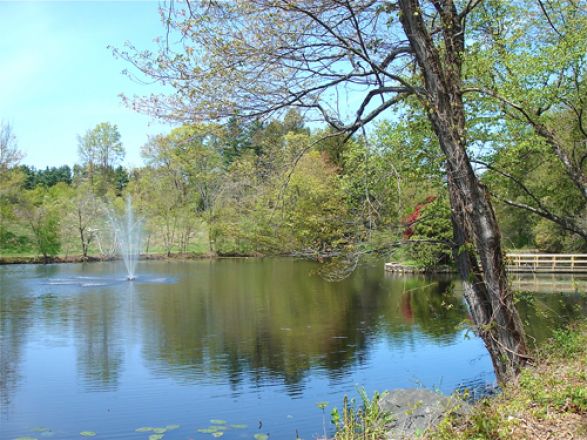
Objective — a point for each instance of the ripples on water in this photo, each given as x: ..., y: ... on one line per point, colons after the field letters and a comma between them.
x: 249, y: 342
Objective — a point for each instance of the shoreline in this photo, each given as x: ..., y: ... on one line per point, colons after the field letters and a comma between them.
x: 548, y: 400
x: 18, y: 259
x: 10, y: 260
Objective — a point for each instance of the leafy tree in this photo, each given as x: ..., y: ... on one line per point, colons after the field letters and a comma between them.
x: 238, y: 137
x: 528, y: 75
x: 189, y: 167
x: 42, y: 216
x: 85, y: 214
x: 121, y: 179
x: 10, y: 181
x: 100, y: 150
x: 314, y: 207
x: 285, y: 53
x: 429, y: 230
x: 48, y: 177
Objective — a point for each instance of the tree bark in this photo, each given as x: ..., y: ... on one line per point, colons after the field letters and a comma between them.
x: 82, y: 236
x: 477, y: 250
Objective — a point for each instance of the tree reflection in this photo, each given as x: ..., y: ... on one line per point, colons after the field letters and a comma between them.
x: 274, y: 321
x: 15, y: 320
x: 542, y: 313
x: 99, y: 348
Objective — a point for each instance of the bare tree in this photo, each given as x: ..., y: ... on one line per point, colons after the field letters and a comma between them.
x: 10, y: 155
x: 258, y: 57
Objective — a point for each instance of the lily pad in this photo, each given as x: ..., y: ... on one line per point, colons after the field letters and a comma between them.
x: 217, y: 434
x: 25, y: 438
x: 41, y: 429
x: 159, y: 430
x: 144, y: 429
x: 156, y: 436
x: 260, y: 436
x: 218, y: 422
x: 238, y: 426
x: 208, y: 430
x: 322, y: 405
x: 87, y: 433
x: 171, y: 427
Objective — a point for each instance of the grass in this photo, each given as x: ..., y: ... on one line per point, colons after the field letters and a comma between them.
x: 360, y: 420
x: 547, y: 401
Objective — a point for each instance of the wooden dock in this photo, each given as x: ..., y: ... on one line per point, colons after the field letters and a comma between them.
x: 519, y: 263
x: 547, y: 263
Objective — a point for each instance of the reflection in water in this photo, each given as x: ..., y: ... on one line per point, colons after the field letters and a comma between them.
x: 14, y: 322
x: 240, y: 339
x: 549, y: 282
x: 99, y: 350
x: 268, y: 321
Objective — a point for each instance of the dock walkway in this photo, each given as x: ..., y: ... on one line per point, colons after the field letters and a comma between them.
x: 547, y: 263
x: 519, y: 263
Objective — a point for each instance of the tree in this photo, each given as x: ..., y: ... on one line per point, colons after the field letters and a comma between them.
x: 85, y: 212
x: 48, y: 177
x: 100, y: 150
x: 314, y: 207
x: 256, y: 58
x: 189, y: 167
x: 42, y: 215
x: 10, y: 180
x: 10, y: 155
x: 530, y: 76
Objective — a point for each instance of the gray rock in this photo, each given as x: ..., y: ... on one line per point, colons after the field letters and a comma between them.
x: 416, y: 410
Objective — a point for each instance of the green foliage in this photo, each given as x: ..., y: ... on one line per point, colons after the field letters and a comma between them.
x: 314, y: 206
x: 364, y: 420
x: 545, y: 396
x: 11, y: 243
x: 429, y: 245
x: 531, y: 137
x: 100, y: 150
x: 46, y: 233
x: 42, y: 216
x: 548, y: 237
x: 48, y: 177
x: 566, y: 342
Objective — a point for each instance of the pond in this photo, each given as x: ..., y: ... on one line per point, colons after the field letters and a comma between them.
x: 231, y: 348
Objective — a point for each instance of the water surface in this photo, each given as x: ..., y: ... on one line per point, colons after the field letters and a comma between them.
x: 249, y: 342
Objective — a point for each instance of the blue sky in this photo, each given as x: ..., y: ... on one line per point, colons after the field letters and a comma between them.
x: 58, y: 79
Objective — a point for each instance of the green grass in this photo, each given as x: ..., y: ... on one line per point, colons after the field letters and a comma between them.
x: 548, y: 400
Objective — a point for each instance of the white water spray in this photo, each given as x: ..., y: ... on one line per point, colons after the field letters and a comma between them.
x: 128, y: 237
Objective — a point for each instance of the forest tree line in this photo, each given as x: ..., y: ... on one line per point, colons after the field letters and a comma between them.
x: 277, y: 188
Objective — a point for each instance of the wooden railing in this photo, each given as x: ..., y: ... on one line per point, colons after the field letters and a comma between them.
x: 548, y: 263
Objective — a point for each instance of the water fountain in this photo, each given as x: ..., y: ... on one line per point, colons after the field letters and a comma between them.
x: 128, y: 235
x: 127, y: 231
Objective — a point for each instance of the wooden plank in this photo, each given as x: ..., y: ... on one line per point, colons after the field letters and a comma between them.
x: 545, y: 255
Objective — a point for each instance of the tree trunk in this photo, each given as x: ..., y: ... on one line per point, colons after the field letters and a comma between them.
x: 81, y: 229
x: 477, y: 247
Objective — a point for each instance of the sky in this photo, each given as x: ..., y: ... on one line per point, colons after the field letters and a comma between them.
x: 58, y: 79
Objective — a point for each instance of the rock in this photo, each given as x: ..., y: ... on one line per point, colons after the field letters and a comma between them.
x: 416, y: 410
